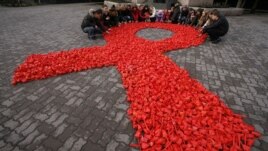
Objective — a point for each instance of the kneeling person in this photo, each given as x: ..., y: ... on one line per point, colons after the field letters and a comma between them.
x: 92, y: 24
x: 218, y: 28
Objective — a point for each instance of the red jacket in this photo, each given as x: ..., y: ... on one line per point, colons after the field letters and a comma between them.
x: 135, y: 14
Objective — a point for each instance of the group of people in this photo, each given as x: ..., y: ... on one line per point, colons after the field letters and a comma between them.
x: 101, y: 20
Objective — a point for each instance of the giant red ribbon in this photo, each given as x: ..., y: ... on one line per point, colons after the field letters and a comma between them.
x: 168, y: 109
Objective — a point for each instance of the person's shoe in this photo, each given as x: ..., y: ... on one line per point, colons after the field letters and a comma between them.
x: 216, y: 41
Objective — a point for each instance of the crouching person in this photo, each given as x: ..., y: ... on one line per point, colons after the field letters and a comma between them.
x: 218, y: 28
x: 92, y: 24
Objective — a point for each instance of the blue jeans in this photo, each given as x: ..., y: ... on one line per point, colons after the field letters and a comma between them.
x: 182, y: 19
x: 92, y: 31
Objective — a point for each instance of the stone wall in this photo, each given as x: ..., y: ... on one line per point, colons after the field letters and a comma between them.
x: 196, y: 2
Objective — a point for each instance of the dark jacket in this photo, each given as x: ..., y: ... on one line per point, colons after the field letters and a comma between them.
x: 106, y: 19
x: 176, y: 13
x: 127, y: 12
x: 184, y: 13
x: 90, y: 21
x: 221, y: 24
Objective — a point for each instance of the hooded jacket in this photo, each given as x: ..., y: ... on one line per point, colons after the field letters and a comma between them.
x: 91, y: 21
x: 221, y: 24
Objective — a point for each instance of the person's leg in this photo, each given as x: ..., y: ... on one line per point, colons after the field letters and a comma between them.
x: 89, y: 31
x: 214, y: 34
x: 183, y: 20
x: 97, y: 33
x: 115, y: 20
x: 120, y: 18
x: 142, y: 20
x: 153, y: 19
x: 131, y: 19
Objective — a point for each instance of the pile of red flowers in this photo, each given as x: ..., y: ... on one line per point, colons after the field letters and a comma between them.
x: 168, y: 109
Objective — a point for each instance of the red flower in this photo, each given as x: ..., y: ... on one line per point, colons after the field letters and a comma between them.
x: 168, y: 108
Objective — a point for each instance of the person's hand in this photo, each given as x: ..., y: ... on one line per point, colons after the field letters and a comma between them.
x: 96, y: 26
x: 107, y: 32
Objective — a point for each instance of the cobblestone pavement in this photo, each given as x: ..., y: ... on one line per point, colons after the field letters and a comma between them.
x: 87, y: 110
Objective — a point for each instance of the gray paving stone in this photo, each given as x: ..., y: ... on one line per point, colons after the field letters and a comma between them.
x: 97, y: 134
x: 91, y: 146
x: 67, y: 133
x: 20, y: 114
x: 101, y: 104
x: 49, y: 109
x: 259, y: 128
x: 257, y: 117
x: 122, y: 147
x: 46, y: 128
x: 82, y: 133
x: 30, y: 129
x: 23, y: 126
x: 237, y: 107
x: 11, y: 124
x: 16, y: 149
x: 121, y: 106
x: 1, y: 128
x: 78, y: 102
x: 255, y: 149
x: 52, y: 143
x: 112, y: 146
x: 36, y: 142
x: 97, y: 100
x: 14, y: 138
x: 75, y: 88
x: 106, y: 137
x: 124, y: 138
x: 2, y: 143
x: 9, y: 113
x: 53, y: 117
x: 60, y: 120
x: 71, y: 101
x: 4, y: 133
x: 42, y: 148
x: 26, y: 116
x: 257, y: 143
x: 7, y: 147
x: 60, y: 129
x: 119, y: 116
x: 7, y: 103
x: 41, y: 116
x: 29, y: 138
x: 265, y: 109
x: 68, y: 143
x: 265, y: 138
x: 78, y: 145
x: 74, y: 120
x: 32, y: 97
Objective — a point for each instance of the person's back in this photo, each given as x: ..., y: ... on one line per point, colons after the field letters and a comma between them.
x: 114, y: 16
x: 223, y: 24
x: 88, y: 21
x: 91, y: 23
x: 176, y: 13
x: 184, y: 11
x: 219, y: 26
